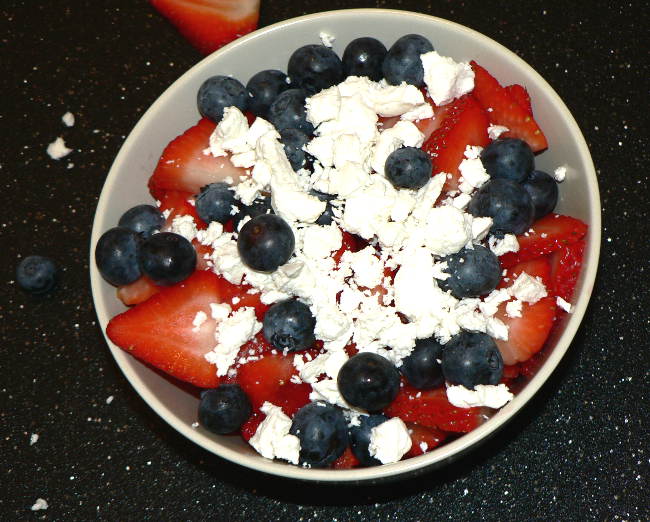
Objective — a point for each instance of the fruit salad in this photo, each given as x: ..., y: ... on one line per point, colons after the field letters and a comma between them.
x: 352, y: 261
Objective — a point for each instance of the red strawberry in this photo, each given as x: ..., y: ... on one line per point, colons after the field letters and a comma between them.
x: 210, y: 24
x: 503, y: 109
x: 521, y: 96
x: 268, y: 379
x: 538, y: 267
x: 346, y: 461
x: 464, y: 123
x: 550, y: 233
x: 430, y: 408
x: 528, y: 333
x: 421, y: 435
x: 566, y: 264
x: 138, y: 291
x: 183, y: 166
x: 249, y: 427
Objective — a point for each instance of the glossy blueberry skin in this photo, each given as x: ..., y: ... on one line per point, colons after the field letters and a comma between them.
x: 507, y: 203
x: 314, y: 67
x: 117, y: 256
x: 143, y: 219
x: 543, y: 192
x: 215, y: 202
x: 167, y: 258
x: 408, y: 167
x: 474, y: 272
x: 262, y: 205
x: 403, y: 63
x: 322, y: 431
x: 294, y: 140
x: 265, y: 242
x: 218, y: 92
x: 421, y: 367
x: 470, y: 359
x: 364, y: 57
x: 327, y: 217
x: 360, y: 438
x: 288, y: 112
x: 289, y: 325
x: 224, y: 409
x: 263, y: 88
x: 368, y: 381
x: 508, y: 158
x: 37, y: 274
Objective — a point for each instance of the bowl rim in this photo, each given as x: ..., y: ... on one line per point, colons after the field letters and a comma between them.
x: 441, y: 454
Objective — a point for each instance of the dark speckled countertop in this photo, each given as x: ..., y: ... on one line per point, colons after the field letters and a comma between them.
x: 578, y: 451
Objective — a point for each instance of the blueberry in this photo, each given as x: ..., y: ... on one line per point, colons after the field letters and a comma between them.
x: 262, y: 205
x: 323, y: 433
x: 289, y: 325
x: 263, y: 88
x: 224, y: 409
x: 473, y: 272
x: 288, y: 112
x: 421, y: 367
x: 508, y: 158
x: 218, y: 92
x: 144, y: 219
x: 403, y: 63
x: 364, y: 57
x: 360, y: 438
x: 408, y: 167
x: 116, y: 255
x: 265, y: 242
x: 216, y: 202
x: 543, y: 191
x: 294, y: 141
x: 507, y: 203
x: 327, y: 217
x: 470, y: 359
x: 167, y: 258
x: 314, y: 67
x: 37, y: 274
x: 368, y: 381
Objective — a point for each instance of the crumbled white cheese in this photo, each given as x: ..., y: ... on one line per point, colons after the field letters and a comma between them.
x: 185, y: 226
x: 57, y: 149
x: 33, y: 439
x: 40, y: 504
x: 501, y: 246
x: 491, y: 396
x: 389, y: 441
x: 513, y: 308
x: 494, y: 131
x: 528, y: 289
x: 326, y: 39
x: 68, y: 119
x: 559, y: 174
x: 272, y: 438
x: 200, y: 318
x: 564, y: 305
x: 446, y: 79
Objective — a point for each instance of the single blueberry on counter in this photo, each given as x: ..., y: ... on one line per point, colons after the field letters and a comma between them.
x: 408, y: 167
x: 368, y: 381
x: 403, y: 63
x: 508, y: 158
x: 265, y: 242
x: 289, y: 325
x: 360, y: 438
x: 473, y: 272
x: 263, y: 88
x: 288, y: 112
x: 218, y: 92
x: 215, y: 202
x: 117, y: 256
x: 224, y: 409
x: 167, y: 258
x: 143, y: 219
x: 322, y: 431
x: 421, y: 367
x: 472, y: 358
x: 314, y: 67
x: 364, y: 57
x: 543, y: 192
x: 507, y: 203
x: 37, y: 274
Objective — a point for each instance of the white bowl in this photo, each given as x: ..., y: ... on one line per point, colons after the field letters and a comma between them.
x: 175, y: 110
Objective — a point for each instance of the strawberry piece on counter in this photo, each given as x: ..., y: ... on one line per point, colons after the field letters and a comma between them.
x: 210, y: 24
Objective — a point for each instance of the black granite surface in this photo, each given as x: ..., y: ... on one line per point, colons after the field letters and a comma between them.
x: 579, y: 450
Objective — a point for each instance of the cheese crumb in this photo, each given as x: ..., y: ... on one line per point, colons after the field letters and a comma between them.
x: 57, y: 149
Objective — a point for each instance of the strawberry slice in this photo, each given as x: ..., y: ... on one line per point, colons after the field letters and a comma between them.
x: 177, y: 202
x: 464, y: 123
x: 423, y: 439
x: 528, y: 333
x: 138, y: 291
x: 538, y: 267
x: 268, y: 379
x: 566, y: 264
x: 210, y: 24
x: 504, y: 109
x: 184, y: 167
x: 249, y: 427
x: 347, y: 460
x: 430, y: 408
x: 548, y: 234
x: 520, y: 95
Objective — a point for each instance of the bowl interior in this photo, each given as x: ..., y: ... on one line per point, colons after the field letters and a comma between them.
x: 175, y: 110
